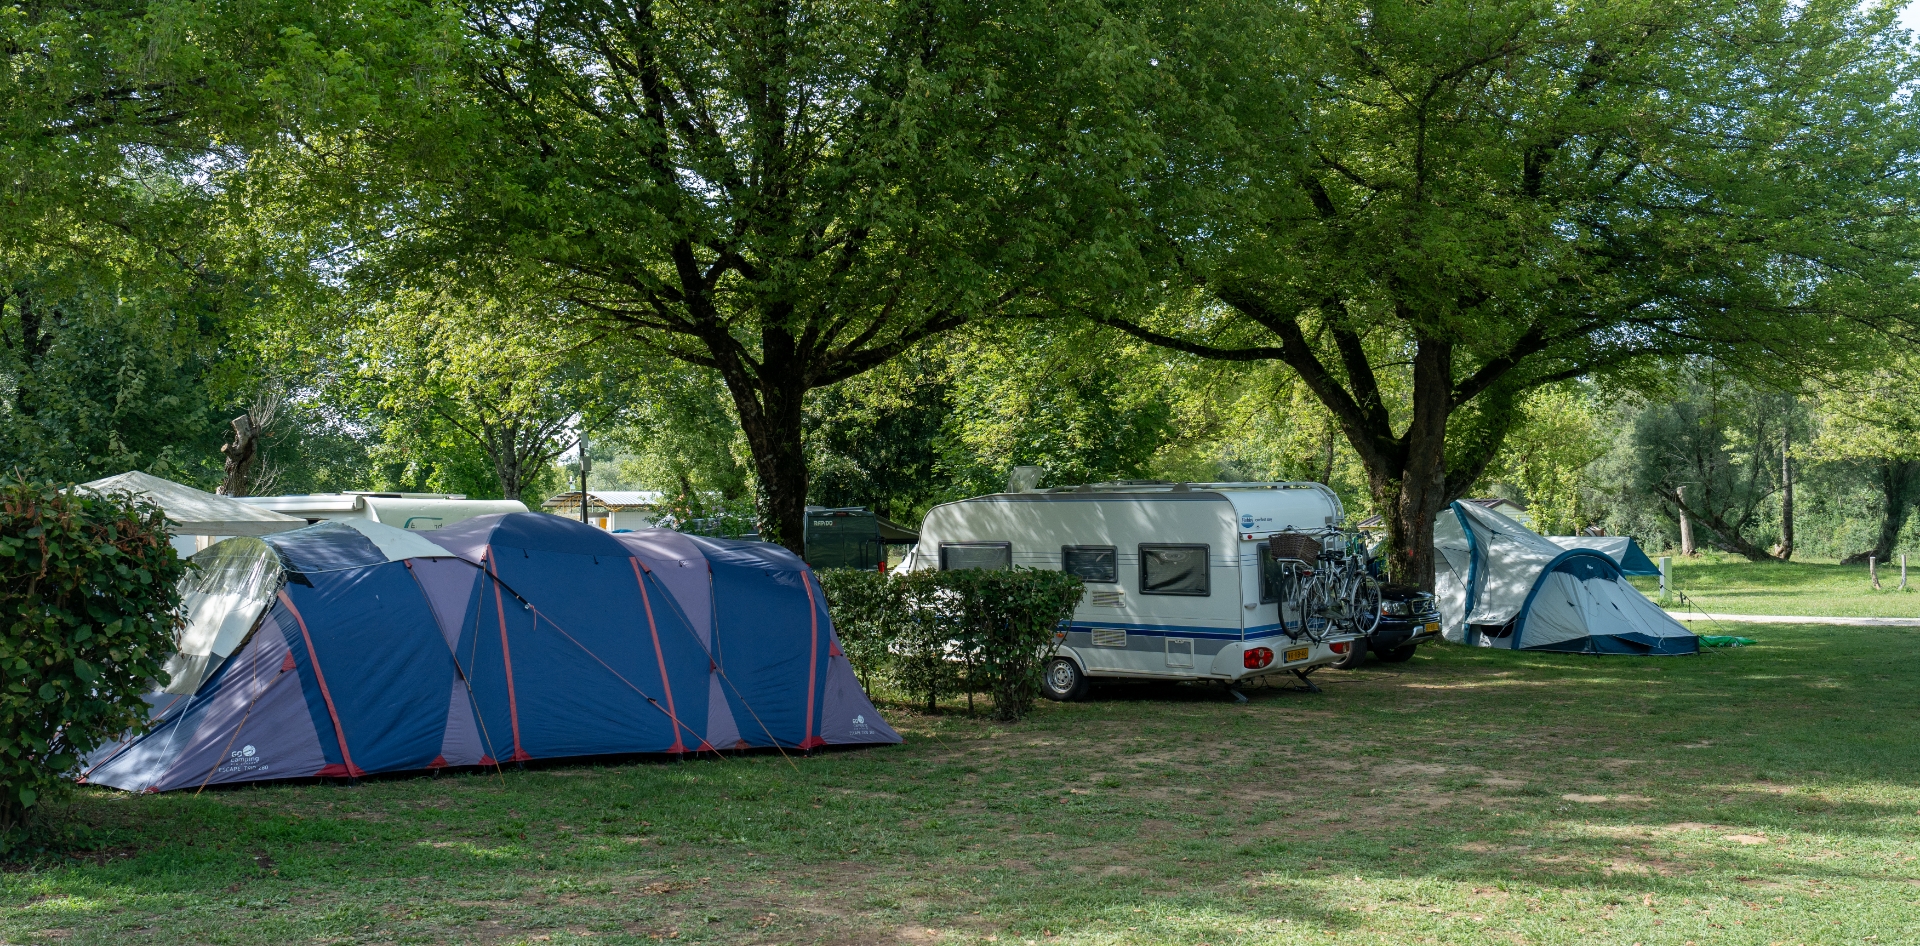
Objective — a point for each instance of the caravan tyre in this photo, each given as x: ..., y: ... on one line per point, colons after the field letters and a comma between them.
x: 1064, y: 682
x: 1354, y: 658
x: 1398, y: 655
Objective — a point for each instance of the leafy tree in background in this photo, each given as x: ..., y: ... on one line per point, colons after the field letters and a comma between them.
x: 679, y: 436
x: 875, y: 440
x: 789, y: 195
x: 1479, y: 199
x: 1713, y: 452
x: 1545, y: 457
x: 447, y: 364
x: 120, y: 124
x: 1872, y: 421
x: 1051, y: 397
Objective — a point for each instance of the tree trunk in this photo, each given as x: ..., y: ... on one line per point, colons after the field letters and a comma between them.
x: 1414, y: 494
x: 239, y: 452
x: 1687, y: 548
x: 508, y: 468
x: 1896, y: 495
x: 771, y: 422
x: 1326, y: 468
x: 1786, y: 493
x: 1727, y: 534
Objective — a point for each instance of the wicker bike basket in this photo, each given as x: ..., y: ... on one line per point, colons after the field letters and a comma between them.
x: 1294, y: 547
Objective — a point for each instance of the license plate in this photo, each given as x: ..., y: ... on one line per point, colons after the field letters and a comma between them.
x: 1298, y: 653
x: 1431, y: 628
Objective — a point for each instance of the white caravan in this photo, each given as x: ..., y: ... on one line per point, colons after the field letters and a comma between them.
x: 416, y: 512
x: 1180, y: 580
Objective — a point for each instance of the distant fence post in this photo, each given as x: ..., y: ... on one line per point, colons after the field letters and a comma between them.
x: 1666, y: 577
x: 1873, y: 572
x: 1903, y: 571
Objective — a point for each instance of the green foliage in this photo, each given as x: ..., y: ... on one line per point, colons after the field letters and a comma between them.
x: 1472, y: 200
x: 876, y: 440
x: 970, y: 631
x: 88, y: 607
x: 1714, y: 451
x: 1559, y: 435
x: 1083, y: 407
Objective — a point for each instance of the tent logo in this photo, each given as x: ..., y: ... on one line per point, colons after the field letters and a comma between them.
x: 244, y: 759
x: 1246, y: 520
x: 859, y: 720
x: 860, y: 727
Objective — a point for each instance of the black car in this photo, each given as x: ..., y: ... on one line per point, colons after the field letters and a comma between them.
x: 1408, y: 617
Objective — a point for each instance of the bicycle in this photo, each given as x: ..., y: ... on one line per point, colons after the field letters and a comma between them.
x: 1331, y: 585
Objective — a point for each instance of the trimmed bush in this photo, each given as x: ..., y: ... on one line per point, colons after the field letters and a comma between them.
x: 88, y: 611
x: 928, y: 633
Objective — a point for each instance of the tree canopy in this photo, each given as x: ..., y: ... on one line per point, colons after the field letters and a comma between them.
x: 1471, y: 200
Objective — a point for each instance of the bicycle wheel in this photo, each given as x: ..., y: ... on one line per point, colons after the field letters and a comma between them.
x: 1320, y: 602
x: 1363, y: 603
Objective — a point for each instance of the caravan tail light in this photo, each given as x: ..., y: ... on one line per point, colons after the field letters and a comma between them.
x: 1340, y: 647
x: 1257, y: 657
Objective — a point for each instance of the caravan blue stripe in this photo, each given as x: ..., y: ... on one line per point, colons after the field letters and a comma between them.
x: 1165, y: 630
x: 1526, y: 607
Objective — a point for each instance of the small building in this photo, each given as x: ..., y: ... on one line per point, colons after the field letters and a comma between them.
x: 610, y: 510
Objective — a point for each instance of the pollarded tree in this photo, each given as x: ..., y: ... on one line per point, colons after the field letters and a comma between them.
x: 1469, y: 200
x: 789, y: 193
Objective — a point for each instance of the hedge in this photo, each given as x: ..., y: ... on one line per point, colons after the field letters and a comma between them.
x: 952, y: 632
x: 88, y: 612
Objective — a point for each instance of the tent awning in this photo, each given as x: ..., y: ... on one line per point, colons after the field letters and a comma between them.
x: 195, y: 512
x: 892, y: 533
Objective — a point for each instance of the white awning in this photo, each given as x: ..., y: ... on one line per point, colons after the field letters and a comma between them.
x: 194, y: 512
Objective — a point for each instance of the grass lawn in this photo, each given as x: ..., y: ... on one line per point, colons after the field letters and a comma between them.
x: 1733, y: 585
x: 1766, y: 795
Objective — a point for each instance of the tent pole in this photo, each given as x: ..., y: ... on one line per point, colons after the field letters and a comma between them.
x: 584, y: 464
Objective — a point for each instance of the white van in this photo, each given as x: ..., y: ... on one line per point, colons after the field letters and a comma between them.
x: 1179, y: 576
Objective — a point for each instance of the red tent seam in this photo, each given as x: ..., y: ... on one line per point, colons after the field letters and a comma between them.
x: 339, y: 733
x: 506, y: 655
x: 660, y: 658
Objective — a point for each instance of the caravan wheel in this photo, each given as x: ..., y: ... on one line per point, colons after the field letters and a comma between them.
x: 1064, y: 682
x: 1354, y: 657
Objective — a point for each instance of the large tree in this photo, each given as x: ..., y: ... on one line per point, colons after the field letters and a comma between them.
x: 1468, y: 200
x: 788, y: 192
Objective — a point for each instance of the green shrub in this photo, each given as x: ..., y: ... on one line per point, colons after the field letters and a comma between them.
x: 88, y: 611
x: 928, y: 633
x: 1006, y: 624
x: 869, y: 611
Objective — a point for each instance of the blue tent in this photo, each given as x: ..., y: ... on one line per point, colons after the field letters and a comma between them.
x: 504, y: 638
x: 1623, y: 549
x: 1501, y: 585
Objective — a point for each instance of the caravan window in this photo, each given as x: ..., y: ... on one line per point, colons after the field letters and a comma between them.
x: 992, y: 556
x: 1174, y: 570
x: 1091, y: 562
x: 1270, y: 576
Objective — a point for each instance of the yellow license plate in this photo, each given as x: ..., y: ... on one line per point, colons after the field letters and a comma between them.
x: 1431, y: 628
x: 1298, y: 653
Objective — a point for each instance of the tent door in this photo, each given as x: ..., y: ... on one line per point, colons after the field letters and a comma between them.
x: 1180, y: 652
